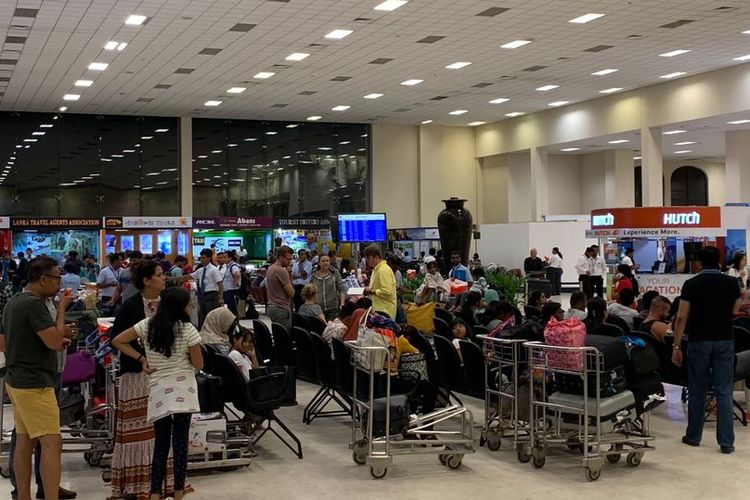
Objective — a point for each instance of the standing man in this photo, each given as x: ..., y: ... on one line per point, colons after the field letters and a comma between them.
x: 598, y: 271
x: 301, y: 274
x: 382, y: 288
x: 584, y: 268
x: 210, y: 286
x: 628, y: 260
x: 125, y: 286
x: 232, y: 280
x: 31, y: 339
x: 9, y: 267
x: 22, y: 265
x: 707, y: 305
x: 280, y: 289
x: 459, y: 271
x: 108, y: 279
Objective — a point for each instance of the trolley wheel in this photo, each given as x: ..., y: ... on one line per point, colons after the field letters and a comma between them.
x: 454, y: 461
x: 4, y: 472
x: 93, y: 458
x: 538, y: 458
x: 443, y: 459
x: 613, y: 459
x: 378, y: 472
x: 524, y: 455
x: 593, y: 474
x: 359, y: 452
x: 107, y: 476
x: 634, y: 458
x: 493, y: 440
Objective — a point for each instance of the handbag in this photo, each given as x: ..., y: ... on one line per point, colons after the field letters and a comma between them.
x: 413, y: 366
x: 80, y: 367
x: 420, y: 317
x: 567, y: 333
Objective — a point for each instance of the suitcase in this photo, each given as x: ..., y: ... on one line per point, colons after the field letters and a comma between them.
x: 399, y: 416
x: 613, y: 350
x: 209, y: 393
x: 71, y: 408
x: 611, y: 383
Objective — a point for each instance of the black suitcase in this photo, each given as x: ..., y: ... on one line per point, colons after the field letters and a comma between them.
x: 611, y: 382
x: 209, y: 393
x: 399, y: 416
x: 613, y: 350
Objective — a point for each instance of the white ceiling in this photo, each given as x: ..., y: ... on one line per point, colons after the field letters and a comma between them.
x: 65, y: 36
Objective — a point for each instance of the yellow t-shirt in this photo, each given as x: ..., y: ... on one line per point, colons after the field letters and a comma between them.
x: 403, y: 346
x: 383, y: 285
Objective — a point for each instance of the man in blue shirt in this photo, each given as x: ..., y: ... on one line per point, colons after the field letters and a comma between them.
x: 459, y: 271
x: 301, y: 274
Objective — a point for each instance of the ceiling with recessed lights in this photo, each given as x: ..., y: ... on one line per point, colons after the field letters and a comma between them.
x: 320, y: 58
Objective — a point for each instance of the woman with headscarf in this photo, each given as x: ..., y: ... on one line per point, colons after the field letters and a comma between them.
x: 217, y: 329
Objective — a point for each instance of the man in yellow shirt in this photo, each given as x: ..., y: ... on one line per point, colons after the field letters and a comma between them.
x: 382, y: 289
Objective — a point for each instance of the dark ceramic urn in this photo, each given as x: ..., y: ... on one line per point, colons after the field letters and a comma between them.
x: 455, y: 226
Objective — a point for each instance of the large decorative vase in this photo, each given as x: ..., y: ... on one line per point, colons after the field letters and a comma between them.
x: 455, y: 225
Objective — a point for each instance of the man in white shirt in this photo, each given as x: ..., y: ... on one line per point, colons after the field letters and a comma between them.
x: 628, y: 260
x: 232, y: 280
x: 583, y: 268
x: 598, y: 271
x: 108, y: 279
x: 210, y: 286
x: 301, y: 275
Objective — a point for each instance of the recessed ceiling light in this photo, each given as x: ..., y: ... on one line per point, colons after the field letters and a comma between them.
x: 741, y: 58
x: 605, y: 72
x: 250, y: 139
x: 292, y: 125
x: 619, y: 141
x: 314, y: 118
x: 344, y: 143
x: 476, y: 124
x: 340, y: 107
x: 458, y: 112
x: 586, y: 18
x: 110, y: 46
x: 38, y: 133
x: 83, y: 83
x: 232, y: 145
x: 128, y: 150
x: 121, y: 46
x: 674, y: 53
x: 499, y: 100
x: 146, y: 137
x: 514, y: 114
x: 297, y: 56
x: 161, y: 130
x: 682, y: 152
x: 426, y: 122
x: 569, y: 150
x: 46, y: 125
x: 98, y: 66
x: 558, y: 103
x: 29, y: 140
x: 236, y: 90
x: 391, y: 5
x: 611, y: 90
x: 71, y: 97
x: 118, y: 156
x: 216, y: 151
x: 212, y: 103
x: 738, y: 122
x: 271, y: 132
x: 338, y: 34
x: 685, y: 143
x: 515, y: 44
x: 135, y: 20
x: 457, y: 65
x: 546, y: 88
x: 410, y: 83
x: 746, y: 32
x: 637, y: 158
x: 264, y: 75
x: 373, y: 96
x: 674, y: 132
x: 324, y: 148
x: 673, y: 75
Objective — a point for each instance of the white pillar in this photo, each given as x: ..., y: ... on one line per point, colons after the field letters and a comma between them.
x: 652, y: 167
x: 539, y: 184
x: 737, y: 166
x: 619, y: 179
x: 186, y: 166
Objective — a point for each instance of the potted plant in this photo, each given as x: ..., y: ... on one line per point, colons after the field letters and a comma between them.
x: 510, y: 284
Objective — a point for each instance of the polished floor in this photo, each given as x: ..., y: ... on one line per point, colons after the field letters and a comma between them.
x: 673, y: 470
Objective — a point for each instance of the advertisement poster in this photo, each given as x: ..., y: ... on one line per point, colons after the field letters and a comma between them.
x: 165, y: 243
x: 110, y: 243
x: 182, y: 243
x: 57, y: 244
x: 736, y: 242
x: 127, y: 242
x: 146, y: 244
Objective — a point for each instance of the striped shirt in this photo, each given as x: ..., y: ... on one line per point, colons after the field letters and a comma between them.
x: 186, y: 336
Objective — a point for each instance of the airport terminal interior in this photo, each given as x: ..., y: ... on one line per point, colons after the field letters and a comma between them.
x: 413, y: 249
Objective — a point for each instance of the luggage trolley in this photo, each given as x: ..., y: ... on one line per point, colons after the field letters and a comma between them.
x: 578, y: 422
x: 501, y: 409
x: 382, y: 426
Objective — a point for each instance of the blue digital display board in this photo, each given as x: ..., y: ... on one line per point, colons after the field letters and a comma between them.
x: 362, y: 228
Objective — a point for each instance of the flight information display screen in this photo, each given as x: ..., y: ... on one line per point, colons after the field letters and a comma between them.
x: 361, y: 228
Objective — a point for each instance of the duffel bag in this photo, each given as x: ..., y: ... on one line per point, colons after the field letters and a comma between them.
x: 209, y: 393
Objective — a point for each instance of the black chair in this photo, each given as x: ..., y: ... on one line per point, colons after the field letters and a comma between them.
x: 618, y: 322
x: 327, y: 392
x: 476, y: 331
x: 443, y: 314
x: 304, y: 355
x: 742, y: 322
x: 442, y: 328
x: 264, y: 347
x: 316, y: 326
x: 474, y: 368
x: 741, y: 339
x: 300, y: 321
x: 637, y: 322
x: 532, y: 313
x: 610, y: 330
x: 282, y: 345
x: 451, y: 373
x: 268, y: 390
x: 343, y: 368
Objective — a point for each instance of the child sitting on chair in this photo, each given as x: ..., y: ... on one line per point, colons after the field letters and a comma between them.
x: 243, y: 351
x: 311, y: 308
x: 460, y: 332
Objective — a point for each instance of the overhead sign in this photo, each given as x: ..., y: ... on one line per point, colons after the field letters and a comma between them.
x: 656, y: 222
x: 21, y: 223
x: 302, y: 223
x: 233, y: 222
x: 148, y: 222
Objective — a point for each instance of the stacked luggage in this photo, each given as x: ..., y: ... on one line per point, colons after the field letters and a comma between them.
x: 612, y: 377
x: 642, y: 371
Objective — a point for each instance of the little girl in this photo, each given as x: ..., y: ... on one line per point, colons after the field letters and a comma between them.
x: 243, y: 352
x: 460, y: 332
x: 311, y: 308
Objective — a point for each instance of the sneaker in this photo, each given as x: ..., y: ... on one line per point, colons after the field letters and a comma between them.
x: 686, y: 441
x: 727, y: 450
x: 62, y: 494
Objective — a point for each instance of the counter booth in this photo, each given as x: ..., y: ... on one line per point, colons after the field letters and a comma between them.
x: 665, y: 242
x: 56, y: 236
x: 148, y: 235
x: 254, y: 235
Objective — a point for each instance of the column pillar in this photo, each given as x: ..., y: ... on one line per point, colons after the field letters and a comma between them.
x: 186, y: 166
x: 737, y: 157
x: 652, y: 167
x: 619, y: 178
x: 539, y: 184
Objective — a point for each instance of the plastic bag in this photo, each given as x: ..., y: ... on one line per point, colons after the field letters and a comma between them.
x: 457, y: 286
x: 420, y: 317
x: 565, y: 333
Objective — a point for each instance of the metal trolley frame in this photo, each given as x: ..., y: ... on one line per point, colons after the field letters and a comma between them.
x: 550, y: 428
x: 450, y: 442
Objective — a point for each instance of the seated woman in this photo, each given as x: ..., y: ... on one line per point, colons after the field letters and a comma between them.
x: 597, y: 315
x: 537, y: 299
x: 311, y: 308
x: 656, y: 321
x: 504, y: 318
x: 243, y: 351
x: 433, y: 286
x: 218, y: 328
x: 552, y: 310
x: 466, y: 311
x: 480, y: 282
x: 460, y: 331
x: 625, y: 279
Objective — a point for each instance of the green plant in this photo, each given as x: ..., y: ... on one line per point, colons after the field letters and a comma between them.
x: 512, y: 286
x: 411, y: 285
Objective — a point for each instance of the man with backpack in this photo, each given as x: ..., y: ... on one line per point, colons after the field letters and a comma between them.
x: 232, y: 281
